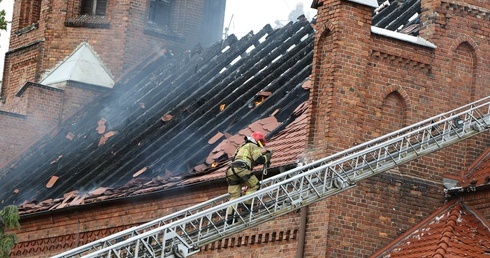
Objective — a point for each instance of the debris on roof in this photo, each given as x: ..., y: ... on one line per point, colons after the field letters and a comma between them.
x: 191, y: 142
x: 199, y: 95
x: 398, y: 16
x: 141, y: 171
x: 52, y: 181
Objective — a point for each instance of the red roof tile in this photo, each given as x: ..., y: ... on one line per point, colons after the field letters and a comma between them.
x: 215, y: 138
x: 452, y: 231
x: 52, y: 181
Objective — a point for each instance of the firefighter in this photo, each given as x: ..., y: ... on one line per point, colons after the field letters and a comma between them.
x: 239, y: 174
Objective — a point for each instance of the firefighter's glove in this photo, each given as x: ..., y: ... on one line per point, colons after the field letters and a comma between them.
x: 268, y: 156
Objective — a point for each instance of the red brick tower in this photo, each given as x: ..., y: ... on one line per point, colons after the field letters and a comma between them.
x: 369, y: 81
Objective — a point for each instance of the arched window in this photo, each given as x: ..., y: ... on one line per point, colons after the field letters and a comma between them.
x: 463, y: 73
x: 393, y: 113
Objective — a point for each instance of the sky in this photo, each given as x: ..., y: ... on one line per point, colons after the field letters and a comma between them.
x: 8, y: 6
x: 241, y: 17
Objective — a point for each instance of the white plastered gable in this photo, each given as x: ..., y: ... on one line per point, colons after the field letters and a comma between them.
x: 83, y: 65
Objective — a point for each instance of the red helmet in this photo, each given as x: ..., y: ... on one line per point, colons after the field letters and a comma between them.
x: 259, y: 137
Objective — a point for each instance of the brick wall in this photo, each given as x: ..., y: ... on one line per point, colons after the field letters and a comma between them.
x: 366, y: 85
x: 479, y: 202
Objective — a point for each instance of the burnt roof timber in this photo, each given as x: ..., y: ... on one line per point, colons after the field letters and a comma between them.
x: 197, y: 120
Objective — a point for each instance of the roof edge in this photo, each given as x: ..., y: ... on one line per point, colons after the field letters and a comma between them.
x: 28, y: 84
x: 403, y: 37
x: 479, y: 216
x: 477, y: 162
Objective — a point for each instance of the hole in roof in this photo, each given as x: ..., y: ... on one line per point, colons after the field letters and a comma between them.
x: 414, y: 16
x: 235, y: 60
x: 225, y: 49
x: 263, y: 38
x: 277, y: 58
x: 250, y: 49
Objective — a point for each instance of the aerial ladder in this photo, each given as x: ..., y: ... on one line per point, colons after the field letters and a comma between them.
x: 183, y: 233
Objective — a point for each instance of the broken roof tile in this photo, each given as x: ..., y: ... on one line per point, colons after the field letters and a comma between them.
x: 257, y: 127
x: 51, y: 181
x: 109, y: 134
x: 209, y: 160
x: 101, y: 126
x: 200, y: 168
x: 70, y: 136
x: 98, y: 191
x: 78, y: 200
x: 271, y: 126
x: 102, y: 140
x: 167, y: 117
x: 141, y: 171
x: 307, y: 84
x: 236, y: 139
x: 218, y: 155
x: 215, y: 138
x: 264, y: 93
x: 245, y: 132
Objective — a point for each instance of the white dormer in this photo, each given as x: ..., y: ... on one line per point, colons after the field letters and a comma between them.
x: 83, y: 66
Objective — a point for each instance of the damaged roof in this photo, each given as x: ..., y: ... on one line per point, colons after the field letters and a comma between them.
x: 171, y: 119
x: 452, y: 231
x: 398, y: 15
x: 176, y: 120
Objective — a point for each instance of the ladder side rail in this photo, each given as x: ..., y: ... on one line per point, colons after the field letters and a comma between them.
x: 277, y: 211
x: 435, y: 121
x: 433, y: 144
x: 479, y: 103
x: 339, y: 163
x: 134, y: 231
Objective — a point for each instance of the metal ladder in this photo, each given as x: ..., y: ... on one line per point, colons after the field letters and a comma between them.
x: 181, y: 234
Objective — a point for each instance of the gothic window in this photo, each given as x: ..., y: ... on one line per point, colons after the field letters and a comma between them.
x: 93, y: 7
x: 159, y: 12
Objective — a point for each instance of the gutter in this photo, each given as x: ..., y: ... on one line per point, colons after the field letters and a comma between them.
x: 302, y: 232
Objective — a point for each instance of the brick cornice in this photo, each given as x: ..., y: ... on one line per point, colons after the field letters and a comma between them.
x: 56, y: 244
x: 253, y: 239
x: 402, y: 62
x: 472, y: 10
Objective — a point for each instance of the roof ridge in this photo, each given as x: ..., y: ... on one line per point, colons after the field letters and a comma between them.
x: 448, y: 231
